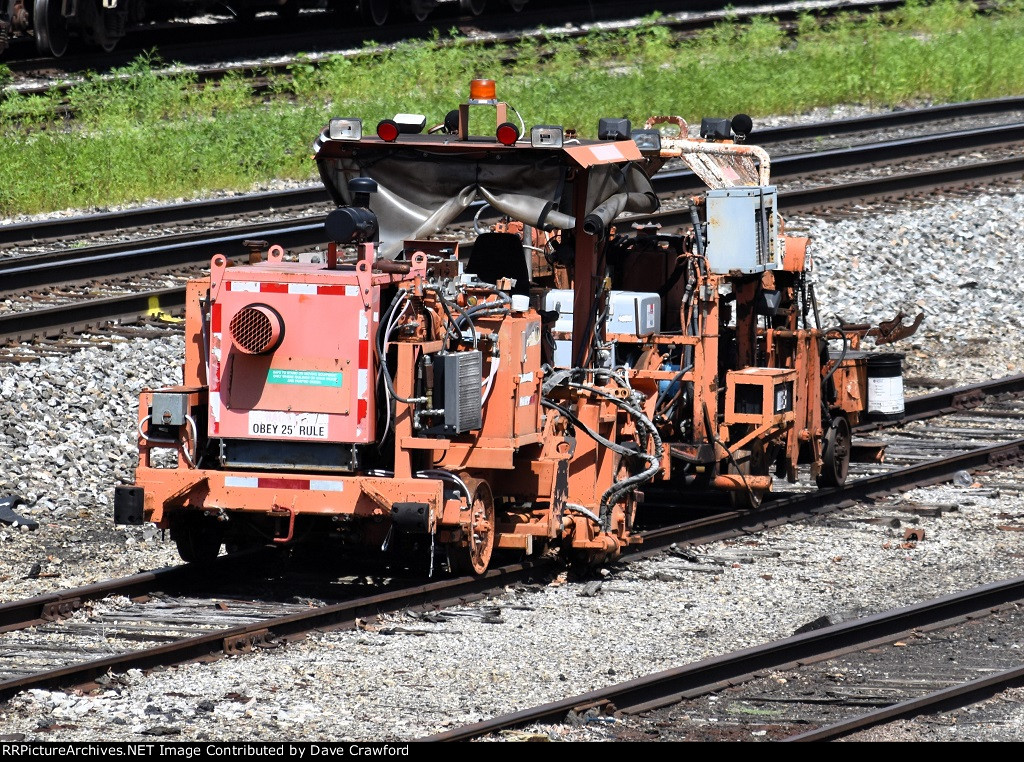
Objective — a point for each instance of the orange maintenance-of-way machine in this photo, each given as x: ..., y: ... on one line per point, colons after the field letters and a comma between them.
x: 445, y: 398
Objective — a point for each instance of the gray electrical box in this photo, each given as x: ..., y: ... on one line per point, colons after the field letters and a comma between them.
x: 462, y: 390
x: 743, y: 229
x: 634, y: 312
x: 169, y: 409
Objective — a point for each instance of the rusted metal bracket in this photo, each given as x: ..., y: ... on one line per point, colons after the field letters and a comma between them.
x: 218, y: 268
x: 968, y: 400
x: 603, y: 707
x: 890, y: 331
x: 247, y: 642
x: 63, y: 609
x: 1007, y: 456
x: 280, y: 511
x: 887, y: 331
x: 364, y: 277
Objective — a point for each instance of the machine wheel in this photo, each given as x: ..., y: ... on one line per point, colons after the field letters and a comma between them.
x: 473, y: 7
x: 96, y: 34
x: 50, y: 27
x: 375, y: 12
x: 243, y: 538
x: 198, y: 538
x: 751, y: 462
x: 418, y: 10
x: 835, y: 456
x: 516, y: 5
x: 473, y: 554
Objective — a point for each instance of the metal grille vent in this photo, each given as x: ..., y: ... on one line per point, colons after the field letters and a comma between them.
x: 256, y: 329
x: 462, y: 390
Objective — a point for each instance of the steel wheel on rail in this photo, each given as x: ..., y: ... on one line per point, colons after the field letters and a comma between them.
x: 92, y: 21
x: 835, y: 456
x: 472, y: 554
x: 418, y: 10
x: 473, y: 7
x: 106, y: 44
x: 245, y: 535
x: 50, y: 27
x: 375, y: 12
x: 198, y: 538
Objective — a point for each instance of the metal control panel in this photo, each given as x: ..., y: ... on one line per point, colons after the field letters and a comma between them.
x: 743, y: 229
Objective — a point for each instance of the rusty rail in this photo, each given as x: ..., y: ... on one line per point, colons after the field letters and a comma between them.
x: 71, y: 228
x: 959, y: 695
x: 51, y: 322
x: 447, y: 592
x: 49, y: 607
x: 709, y: 675
x: 460, y: 590
x: 274, y: 631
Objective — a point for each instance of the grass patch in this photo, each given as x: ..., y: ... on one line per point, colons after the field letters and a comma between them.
x: 147, y: 135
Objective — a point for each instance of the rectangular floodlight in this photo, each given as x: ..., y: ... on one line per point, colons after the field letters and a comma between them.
x: 546, y: 136
x: 345, y: 129
x: 647, y: 140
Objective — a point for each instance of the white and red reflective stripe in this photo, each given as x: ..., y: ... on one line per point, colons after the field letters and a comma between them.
x: 275, y: 287
x: 363, y: 367
x: 215, y: 313
x: 216, y: 340
x: 284, y: 482
x: 215, y: 410
x: 241, y: 481
x: 326, y: 486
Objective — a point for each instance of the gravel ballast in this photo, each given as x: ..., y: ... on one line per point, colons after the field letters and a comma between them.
x: 69, y: 431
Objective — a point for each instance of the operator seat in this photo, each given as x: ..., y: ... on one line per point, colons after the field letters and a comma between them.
x: 500, y: 255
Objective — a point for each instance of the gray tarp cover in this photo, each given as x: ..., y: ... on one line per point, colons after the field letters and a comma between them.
x: 420, y: 193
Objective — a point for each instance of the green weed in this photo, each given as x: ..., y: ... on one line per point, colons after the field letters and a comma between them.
x: 146, y: 132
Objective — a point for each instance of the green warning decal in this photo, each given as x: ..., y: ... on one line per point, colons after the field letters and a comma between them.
x: 304, y: 377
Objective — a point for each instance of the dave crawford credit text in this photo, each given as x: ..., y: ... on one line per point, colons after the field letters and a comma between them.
x: 187, y: 750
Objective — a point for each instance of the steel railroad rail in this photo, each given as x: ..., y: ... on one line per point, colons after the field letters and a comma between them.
x: 147, y: 256
x: 959, y: 695
x: 73, y: 228
x: 806, y: 505
x: 670, y: 686
x: 93, y: 314
x: 60, y: 604
x: 273, y: 630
